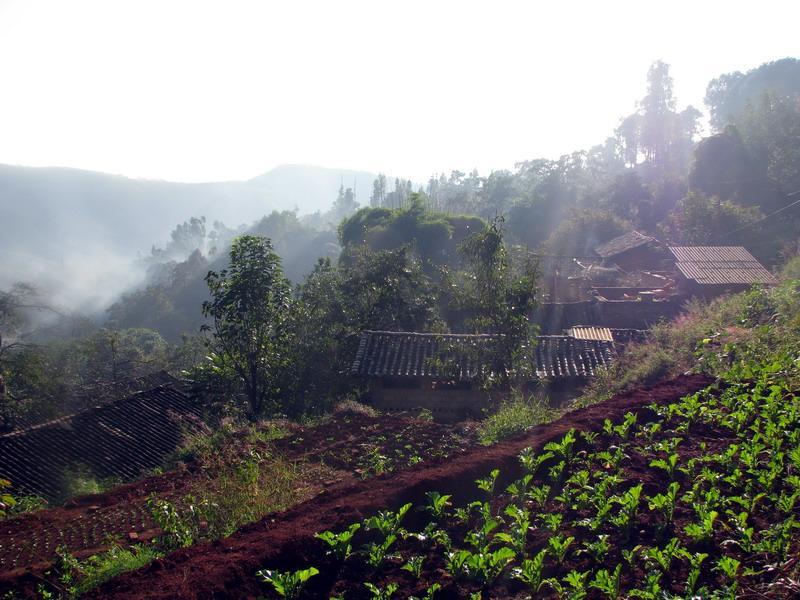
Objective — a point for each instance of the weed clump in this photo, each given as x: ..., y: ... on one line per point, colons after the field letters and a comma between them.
x: 515, y: 416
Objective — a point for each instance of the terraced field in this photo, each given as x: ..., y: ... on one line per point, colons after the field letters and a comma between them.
x: 333, y: 453
x: 286, y: 541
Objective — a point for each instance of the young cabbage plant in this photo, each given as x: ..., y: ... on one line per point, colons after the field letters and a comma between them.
x: 531, y: 462
x: 670, y: 465
x: 652, y: 588
x: 663, y: 557
x: 665, y: 503
x: 530, y: 571
x: 729, y: 566
x: 576, y: 582
x: 608, y: 582
x: 376, y: 553
x: 565, y: 448
x: 430, y: 593
x: 379, y: 593
x: 437, y: 504
x: 487, y: 483
x: 695, y: 561
x: 483, y: 566
x: 519, y: 489
x: 288, y: 584
x: 387, y: 522
x: 702, y: 531
x: 340, y: 544
x: 559, y: 546
x: 414, y: 565
x: 598, y: 549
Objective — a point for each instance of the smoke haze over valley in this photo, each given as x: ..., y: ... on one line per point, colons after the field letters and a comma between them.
x: 77, y: 234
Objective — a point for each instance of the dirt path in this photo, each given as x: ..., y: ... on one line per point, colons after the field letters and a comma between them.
x: 225, y: 569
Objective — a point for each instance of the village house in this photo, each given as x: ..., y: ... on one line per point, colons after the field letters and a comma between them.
x: 442, y: 372
x: 632, y: 251
x: 708, y: 271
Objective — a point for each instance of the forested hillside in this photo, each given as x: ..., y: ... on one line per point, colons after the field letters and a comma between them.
x: 392, y: 254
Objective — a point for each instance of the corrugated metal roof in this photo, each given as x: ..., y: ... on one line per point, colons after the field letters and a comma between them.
x: 720, y: 265
x: 623, y: 243
x: 406, y: 354
x: 582, y: 332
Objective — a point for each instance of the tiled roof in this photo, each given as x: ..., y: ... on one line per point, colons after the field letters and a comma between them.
x: 623, y: 243
x: 405, y: 354
x: 98, y: 394
x: 121, y: 439
x: 720, y: 265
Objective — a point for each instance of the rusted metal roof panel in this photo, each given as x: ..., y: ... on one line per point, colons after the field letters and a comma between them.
x: 465, y: 357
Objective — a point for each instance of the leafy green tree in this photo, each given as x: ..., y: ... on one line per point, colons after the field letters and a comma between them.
x: 656, y: 131
x: 700, y: 220
x: 582, y: 231
x: 628, y: 197
x: 723, y: 167
x: 385, y: 290
x: 497, y: 297
x: 114, y: 356
x: 378, y: 197
x: 729, y: 95
x: 249, y: 307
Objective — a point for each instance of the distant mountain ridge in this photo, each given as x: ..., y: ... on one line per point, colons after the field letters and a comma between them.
x: 60, y: 222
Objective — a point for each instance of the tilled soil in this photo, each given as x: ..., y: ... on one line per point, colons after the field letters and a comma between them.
x: 351, y: 446
x: 285, y: 541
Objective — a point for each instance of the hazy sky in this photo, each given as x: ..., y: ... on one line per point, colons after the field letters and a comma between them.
x: 198, y: 91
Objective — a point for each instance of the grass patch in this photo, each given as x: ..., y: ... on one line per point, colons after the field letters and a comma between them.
x: 79, y: 480
x: 515, y: 416
x: 78, y: 577
x: 244, y: 490
x: 354, y: 407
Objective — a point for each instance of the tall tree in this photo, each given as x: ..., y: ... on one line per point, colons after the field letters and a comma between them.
x: 249, y: 306
x: 499, y: 298
x: 729, y: 95
x: 378, y: 197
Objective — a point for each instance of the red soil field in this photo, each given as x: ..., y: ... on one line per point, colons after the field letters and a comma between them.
x: 285, y: 541
x: 84, y: 525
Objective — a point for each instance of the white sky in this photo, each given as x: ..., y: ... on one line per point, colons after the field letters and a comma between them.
x: 200, y: 91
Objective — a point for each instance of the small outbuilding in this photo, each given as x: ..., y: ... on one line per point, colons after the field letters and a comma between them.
x: 632, y: 251
x: 442, y: 372
x: 709, y: 271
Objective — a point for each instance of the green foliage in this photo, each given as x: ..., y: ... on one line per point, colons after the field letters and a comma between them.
x: 582, y: 230
x: 379, y: 593
x: 178, y: 532
x: 702, y: 220
x: 791, y: 270
x: 249, y: 307
x: 608, y: 582
x: 7, y: 501
x: 340, y: 543
x: 288, y: 584
x: 78, y: 577
x: 497, y: 297
x: 80, y: 480
x: 515, y: 416
x: 379, y: 229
